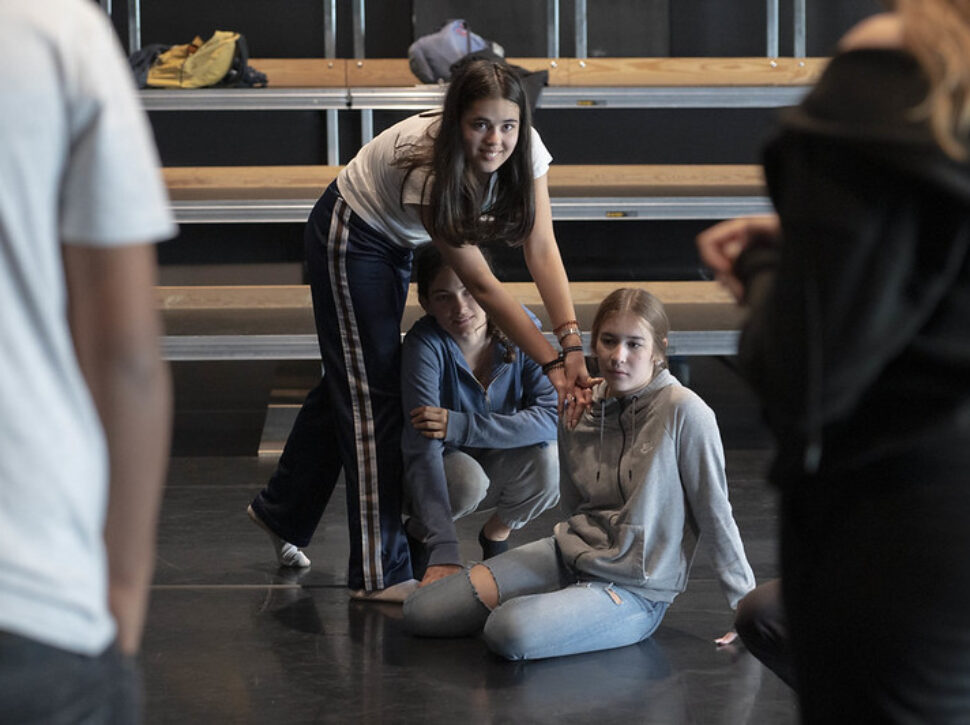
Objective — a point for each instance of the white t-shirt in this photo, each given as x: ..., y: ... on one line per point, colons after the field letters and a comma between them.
x: 371, y: 184
x: 77, y: 165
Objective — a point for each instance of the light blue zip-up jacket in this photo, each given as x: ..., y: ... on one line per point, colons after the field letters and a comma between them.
x: 642, y: 481
x: 518, y: 409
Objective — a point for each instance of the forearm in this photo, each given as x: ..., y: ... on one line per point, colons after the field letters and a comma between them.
x: 509, y: 316
x: 427, y: 495
x: 115, y: 329
x: 499, y: 305
x: 547, y: 270
x: 135, y: 410
x: 703, y: 479
x: 545, y: 265
x: 425, y: 484
x: 544, y: 261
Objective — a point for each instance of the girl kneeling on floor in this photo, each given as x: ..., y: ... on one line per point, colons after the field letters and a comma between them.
x: 642, y: 481
x: 482, y: 425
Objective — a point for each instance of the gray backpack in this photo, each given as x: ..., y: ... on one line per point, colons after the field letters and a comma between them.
x: 431, y: 56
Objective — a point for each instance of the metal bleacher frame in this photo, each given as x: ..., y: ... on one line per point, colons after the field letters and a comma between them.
x: 202, y: 348
x: 332, y: 101
x: 366, y: 100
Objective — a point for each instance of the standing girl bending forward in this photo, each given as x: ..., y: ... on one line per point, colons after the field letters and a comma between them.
x: 474, y: 173
x: 642, y: 481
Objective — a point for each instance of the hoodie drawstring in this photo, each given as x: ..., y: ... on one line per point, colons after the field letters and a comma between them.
x: 634, y: 437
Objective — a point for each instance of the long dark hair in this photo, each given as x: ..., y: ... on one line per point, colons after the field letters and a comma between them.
x: 428, y: 262
x: 454, y: 196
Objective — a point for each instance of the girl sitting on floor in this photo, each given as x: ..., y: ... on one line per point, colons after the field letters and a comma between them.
x: 642, y: 481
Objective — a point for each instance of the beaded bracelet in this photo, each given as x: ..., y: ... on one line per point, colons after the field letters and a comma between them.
x: 571, y: 348
x: 556, y: 362
x: 567, y: 323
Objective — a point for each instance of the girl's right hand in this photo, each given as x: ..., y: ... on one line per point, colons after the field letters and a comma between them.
x: 438, y: 571
x: 575, y: 388
x: 430, y: 421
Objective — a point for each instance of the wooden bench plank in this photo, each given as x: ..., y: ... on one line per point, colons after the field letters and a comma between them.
x: 655, y: 72
x: 209, y: 348
x: 248, y: 182
x: 396, y: 72
x: 303, y: 72
x: 602, y: 181
x: 623, y: 180
x: 646, y: 72
x: 287, y: 309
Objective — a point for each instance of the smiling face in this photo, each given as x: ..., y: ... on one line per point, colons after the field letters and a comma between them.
x: 454, y: 308
x: 625, y: 349
x: 489, y: 131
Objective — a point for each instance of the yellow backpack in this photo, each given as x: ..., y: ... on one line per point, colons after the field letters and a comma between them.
x: 198, y: 64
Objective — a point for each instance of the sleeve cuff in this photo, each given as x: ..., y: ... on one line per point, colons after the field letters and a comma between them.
x: 457, y: 431
x: 444, y: 554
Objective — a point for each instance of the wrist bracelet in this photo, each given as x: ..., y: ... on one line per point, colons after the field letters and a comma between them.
x: 571, y: 348
x: 556, y: 362
x: 567, y: 332
x: 567, y: 323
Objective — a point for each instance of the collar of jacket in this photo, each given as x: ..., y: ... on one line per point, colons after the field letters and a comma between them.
x: 636, y: 399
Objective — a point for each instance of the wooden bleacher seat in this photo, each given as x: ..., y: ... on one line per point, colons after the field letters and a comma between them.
x: 606, y: 181
x: 303, y: 72
x: 195, y: 183
x: 563, y: 72
x: 257, y: 319
x: 667, y: 72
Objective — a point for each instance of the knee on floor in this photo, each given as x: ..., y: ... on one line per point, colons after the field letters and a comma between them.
x: 447, y: 608
x: 507, y: 636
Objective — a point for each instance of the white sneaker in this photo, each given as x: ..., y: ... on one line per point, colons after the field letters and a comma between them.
x: 286, y: 553
x: 396, y: 593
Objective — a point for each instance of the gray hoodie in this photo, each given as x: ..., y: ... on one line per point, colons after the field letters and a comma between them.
x: 642, y: 481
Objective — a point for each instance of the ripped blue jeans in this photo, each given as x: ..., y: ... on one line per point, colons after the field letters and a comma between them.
x: 544, y: 609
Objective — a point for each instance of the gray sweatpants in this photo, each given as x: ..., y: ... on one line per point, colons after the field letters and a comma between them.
x: 519, y: 483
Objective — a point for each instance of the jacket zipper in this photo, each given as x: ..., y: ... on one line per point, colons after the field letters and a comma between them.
x: 619, y: 460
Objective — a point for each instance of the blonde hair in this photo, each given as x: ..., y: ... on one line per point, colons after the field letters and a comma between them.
x: 642, y: 304
x: 937, y: 33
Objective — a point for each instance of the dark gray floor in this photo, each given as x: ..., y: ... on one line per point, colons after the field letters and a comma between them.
x: 232, y: 639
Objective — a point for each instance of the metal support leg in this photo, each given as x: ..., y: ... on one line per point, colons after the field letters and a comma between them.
x: 772, y: 28
x: 329, y: 28
x: 800, y: 29
x: 134, y: 26
x: 333, y: 137
x: 581, y: 29
x: 330, y: 51
x: 359, y: 30
x: 366, y: 125
x: 552, y: 28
